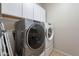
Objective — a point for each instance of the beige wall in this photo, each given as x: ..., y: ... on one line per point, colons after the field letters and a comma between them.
x: 65, y: 18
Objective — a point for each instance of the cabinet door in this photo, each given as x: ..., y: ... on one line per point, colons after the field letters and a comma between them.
x: 14, y: 9
x: 37, y: 12
x: 28, y: 10
x: 42, y: 14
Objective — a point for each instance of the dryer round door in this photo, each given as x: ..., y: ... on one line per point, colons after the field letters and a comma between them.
x: 50, y: 33
x: 35, y: 36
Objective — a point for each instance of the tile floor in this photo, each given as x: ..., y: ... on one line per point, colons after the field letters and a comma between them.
x: 56, y: 53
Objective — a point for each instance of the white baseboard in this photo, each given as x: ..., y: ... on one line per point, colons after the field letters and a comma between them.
x: 65, y: 54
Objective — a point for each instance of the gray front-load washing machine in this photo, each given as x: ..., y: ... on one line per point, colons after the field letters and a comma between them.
x: 29, y: 37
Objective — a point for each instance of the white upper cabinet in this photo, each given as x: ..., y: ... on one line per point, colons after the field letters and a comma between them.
x: 39, y: 13
x: 28, y: 10
x: 14, y: 9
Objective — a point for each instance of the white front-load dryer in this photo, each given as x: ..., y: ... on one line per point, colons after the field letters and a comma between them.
x: 30, y: 37
x: 49, y: 39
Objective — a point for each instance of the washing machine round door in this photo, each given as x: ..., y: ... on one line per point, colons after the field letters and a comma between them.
x: 35, y: 36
